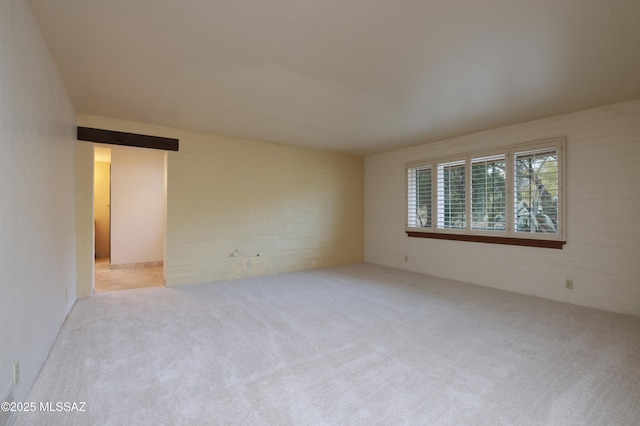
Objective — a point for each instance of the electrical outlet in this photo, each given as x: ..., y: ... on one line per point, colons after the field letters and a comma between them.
x: 16, y: 374
x: 568, y: 283
x: 406, y: 258
x: 249, y: 264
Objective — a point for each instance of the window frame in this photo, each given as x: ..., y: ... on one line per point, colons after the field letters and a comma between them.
x: 448, y: 162
x: 510, y: 235
x: 414, y: 168
x: 494, y: 233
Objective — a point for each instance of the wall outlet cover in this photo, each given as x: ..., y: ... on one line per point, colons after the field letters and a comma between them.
x: 16, y: 374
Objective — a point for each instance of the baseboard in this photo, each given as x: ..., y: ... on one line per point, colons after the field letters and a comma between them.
x: 136, y: 265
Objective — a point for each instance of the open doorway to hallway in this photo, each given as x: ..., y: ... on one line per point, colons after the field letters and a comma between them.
x: 129, y: 224
x: 108, y: 279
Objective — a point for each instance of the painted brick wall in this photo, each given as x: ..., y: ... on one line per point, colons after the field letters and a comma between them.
x: 297, y: 208
x: 602, y: 254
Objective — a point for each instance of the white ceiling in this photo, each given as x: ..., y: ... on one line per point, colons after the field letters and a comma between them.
x: 358, y: 76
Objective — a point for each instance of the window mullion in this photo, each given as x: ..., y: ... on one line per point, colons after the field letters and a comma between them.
x: 510, y: 195
x: 468, y: 195
x: 434, y: 197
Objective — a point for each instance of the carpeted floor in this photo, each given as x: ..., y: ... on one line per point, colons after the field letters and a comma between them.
x: 357, y: 344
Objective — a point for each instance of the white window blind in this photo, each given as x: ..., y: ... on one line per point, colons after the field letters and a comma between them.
x: 419, y: 197
x: 488, y: 193
x: 536, y: 191
x: 452, y: 195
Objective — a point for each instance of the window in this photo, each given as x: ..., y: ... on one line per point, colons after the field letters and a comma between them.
x: 536, y: 191
x: 420, y: 197
x: 489, y: 193
x: 451, y: 195
x: 509, y: 196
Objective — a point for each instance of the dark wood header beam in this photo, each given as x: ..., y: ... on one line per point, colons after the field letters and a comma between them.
x: 489, y: 240
x: 126, y: 139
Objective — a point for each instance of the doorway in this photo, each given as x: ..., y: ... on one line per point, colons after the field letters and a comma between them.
x: 129, y: 225
x: 102, y: 202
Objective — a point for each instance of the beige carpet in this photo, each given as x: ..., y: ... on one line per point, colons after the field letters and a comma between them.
x: 357, y: 344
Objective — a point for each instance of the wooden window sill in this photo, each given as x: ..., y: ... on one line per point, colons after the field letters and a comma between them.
x: 527, y: 242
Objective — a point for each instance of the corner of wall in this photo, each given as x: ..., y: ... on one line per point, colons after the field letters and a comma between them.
x: 84, y: 219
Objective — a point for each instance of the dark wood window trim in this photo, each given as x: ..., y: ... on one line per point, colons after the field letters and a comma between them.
x: 527, y: 242
x: 126, y: 139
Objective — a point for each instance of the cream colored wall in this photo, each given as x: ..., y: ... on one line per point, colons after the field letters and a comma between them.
x: 297, y: 208
x: 37, y: 241
x: 101, y: 206
x: 137, y: 205
x: 603, y: 236
x: 85, y: 245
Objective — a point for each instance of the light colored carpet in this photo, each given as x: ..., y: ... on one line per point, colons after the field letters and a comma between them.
x: 357, y: 344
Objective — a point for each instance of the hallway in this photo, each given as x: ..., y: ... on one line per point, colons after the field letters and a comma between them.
x: 107, y: 279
